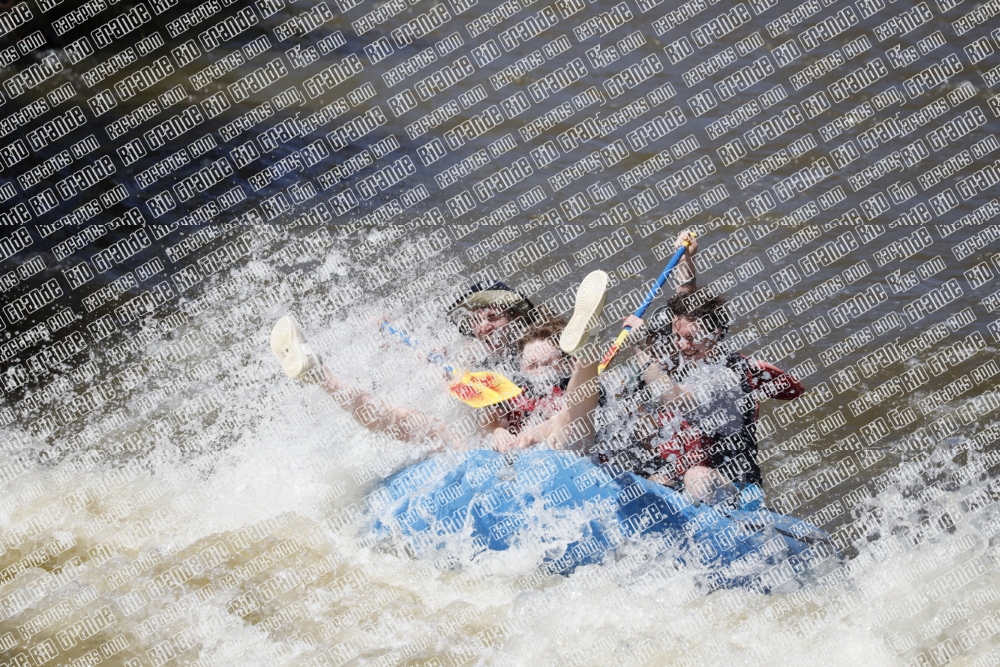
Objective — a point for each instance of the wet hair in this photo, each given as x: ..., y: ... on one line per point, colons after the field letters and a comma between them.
x: 548, y: 329
x: 712, y: 314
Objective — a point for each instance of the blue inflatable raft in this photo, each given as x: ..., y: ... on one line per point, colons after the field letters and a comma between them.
x: 584, y: 511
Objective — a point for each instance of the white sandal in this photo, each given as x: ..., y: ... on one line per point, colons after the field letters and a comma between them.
x: 586, y: 318
x: 289, y: 345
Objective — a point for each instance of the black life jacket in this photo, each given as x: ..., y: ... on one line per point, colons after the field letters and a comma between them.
x: 735, y: 456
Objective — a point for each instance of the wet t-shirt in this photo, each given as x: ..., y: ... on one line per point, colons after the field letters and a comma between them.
x: 687, y: 430
x: 648, y: 438
x: 717, y: 392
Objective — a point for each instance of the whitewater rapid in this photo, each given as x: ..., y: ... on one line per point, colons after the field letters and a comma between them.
x: 226, y: 526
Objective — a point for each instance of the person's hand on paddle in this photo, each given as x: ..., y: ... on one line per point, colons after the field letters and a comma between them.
x: 685, y: 286
x: 379, y: 319
x: 691, y: 239
x: 633, y: 322
x: 686, y: 267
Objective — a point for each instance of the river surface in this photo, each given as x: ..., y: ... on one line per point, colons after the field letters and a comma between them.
x: 167, y: 485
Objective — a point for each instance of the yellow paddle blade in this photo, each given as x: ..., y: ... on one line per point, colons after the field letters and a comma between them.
x: 483, y: 388
x: 613, y: 350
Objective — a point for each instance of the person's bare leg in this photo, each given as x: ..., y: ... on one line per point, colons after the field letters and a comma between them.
x: 573, y: 427
x: 708, y: 485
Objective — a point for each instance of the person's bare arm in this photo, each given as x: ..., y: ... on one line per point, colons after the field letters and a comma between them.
x: 376, y: 415
x: 633, y: 323
x: 573, y: 426
x: 503, y: 440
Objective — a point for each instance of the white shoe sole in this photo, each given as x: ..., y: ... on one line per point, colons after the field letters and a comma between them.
x: 586, y: 312
x: 289, y: 345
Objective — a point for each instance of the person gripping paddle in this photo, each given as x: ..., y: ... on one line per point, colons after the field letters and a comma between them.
x: 683, y: 243
x: 686, y: 334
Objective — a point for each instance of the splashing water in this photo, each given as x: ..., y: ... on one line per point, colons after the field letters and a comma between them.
x: 225, y: 525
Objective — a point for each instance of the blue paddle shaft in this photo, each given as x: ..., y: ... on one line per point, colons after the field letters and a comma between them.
x: 402, y: 337
x: 659, y: 282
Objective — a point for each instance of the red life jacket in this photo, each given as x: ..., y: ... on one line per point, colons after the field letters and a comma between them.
x: 537, y: 407
x: 686, y: 448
